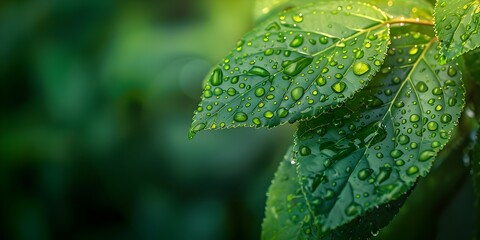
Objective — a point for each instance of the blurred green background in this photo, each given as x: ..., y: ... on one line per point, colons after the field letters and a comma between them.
x: 96, y: 102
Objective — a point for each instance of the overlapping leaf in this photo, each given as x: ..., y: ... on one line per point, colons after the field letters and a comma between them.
x: 374, y: 148
x: 457, y: 23
x: 295, y: 65
x: 287, y: 216
x: 286, y: 213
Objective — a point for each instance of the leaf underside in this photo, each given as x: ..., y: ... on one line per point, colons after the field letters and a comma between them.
x: 294, y: 65
x: 457, y: 24
x: 374, y: 148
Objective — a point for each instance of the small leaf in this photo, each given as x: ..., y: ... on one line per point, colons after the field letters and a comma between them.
x: 457, y: 24
x: 286, y: 213
x: 405, y: 8
x: 373, y: 149
x: 295, y: 65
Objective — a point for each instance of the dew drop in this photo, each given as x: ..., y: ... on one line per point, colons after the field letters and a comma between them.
x: 268, y: 52
x: 360, y: 68
x: 413, y: 50
x: 268, y: 114
x: 432, y: 126
x: 414, y: 118
x: 240, y: 117
x: 321, y: 81
x: 216, y: 78
x: 339, y: 87
x: 297, y: 93
x: 282, y: 112
x: 305, y: 151
x: 231, y: 91
x: 259, y: 92
x: 403, y: 139
x: 353, y: 210
x: 259, y: 71
x: 412, y: 170
x: 421, y: 87
x: 297, y: 41
x: 452, y: 71
x: 446, y: 118
x: 296, y: 66
x: 396, y: 153
x: 298, y: 18
x: 384, y: 174
x: 364, y: 173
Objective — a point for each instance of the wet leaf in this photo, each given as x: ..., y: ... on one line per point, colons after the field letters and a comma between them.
x: 373, y: 149
x: 286, y: 213
x: 457, y: 24
x: 294, y: 65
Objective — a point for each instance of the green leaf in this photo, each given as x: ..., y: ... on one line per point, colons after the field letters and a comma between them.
x: 457, y: 25
x: 287, y: 216
x: 286, y: 213
x: 295, y: 65
x: 373, y: 149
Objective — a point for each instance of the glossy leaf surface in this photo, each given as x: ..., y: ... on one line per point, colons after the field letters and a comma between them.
x: 374, y: 148
x: 457, y: 23
x: 295, y: 65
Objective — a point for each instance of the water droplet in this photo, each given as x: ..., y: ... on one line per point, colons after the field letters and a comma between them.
x: 240, y: 117
x: 282, y: 112
x: 297, y: 41
x: 298, y: 18
x: 338, y: 76
x: 297, y: 93
x: 432, y: 126
x: 329, y: 194
x: 217, y: 91
x: 339, y: 87
x: 353, y: 210
x: 452, y: 71
x: 403, y: 139
x: 296, y: 66
x: 259, y: 71
x: 216, y: 78
x: 384, y: 174
x: 412, y: 170
x: 268, y: 52
x: 323, y: 40
x: 452, y: 102
x: 256, y: 121
x: 421, y: 87
x: 259, y: 92
x: 268, y: 114
x: 305, y: 151
x: 360, y: 68
x: 399, y: 162
x: 359, y: 54
x: 231, y: 91
x: 426, y: 155
x: 207, y: 94
x: 396, y: 153
x: 321, y: 81
x: 364, y: 173
x: 414, y: 118
x: 196, y: 129
x: 413, y: 50
x: 437, y: 91
x: 446, y: 118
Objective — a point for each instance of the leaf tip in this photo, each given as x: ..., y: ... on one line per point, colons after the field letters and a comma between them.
x: 195, y: 129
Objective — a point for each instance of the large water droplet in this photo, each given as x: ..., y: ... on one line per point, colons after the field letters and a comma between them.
x: 297, y: 41
x: 396, y: 153
x: 297, y: 93
x: 240, y: 117
x: 403, y: 139
x: 268, y: 114
x: 412, y: 170
x: 432, y: 126
x: 305, y: 151
x: 364, y: 173
x: 446, y: 118
x: 414, y: 118
x: 216, y: 78
x: 426, y: 155
x: 196, y: 129
x: 259, y: 92
x: 259, y: 71
x: 294, y: 67
x: 339, y: 87
x: 452, y: 71
x: 421, y: 87
x: 384, y: 174
x: 282, y: 112
x: 360, y: 68
x: 321, y: 81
